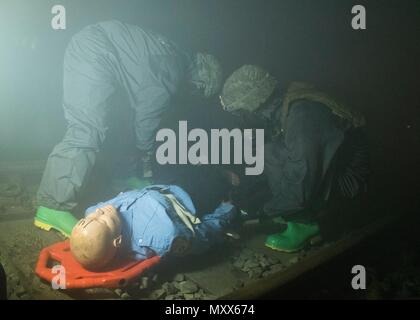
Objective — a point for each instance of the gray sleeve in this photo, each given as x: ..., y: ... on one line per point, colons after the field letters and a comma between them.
x: 155, y: 100
x: 165, y: 74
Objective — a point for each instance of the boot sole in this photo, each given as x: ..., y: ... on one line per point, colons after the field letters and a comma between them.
x: 285, y: 250
x: 47, y: 227
x: 314, y: 240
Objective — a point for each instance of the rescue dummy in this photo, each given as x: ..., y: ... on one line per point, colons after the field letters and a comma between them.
x: 157, y: 220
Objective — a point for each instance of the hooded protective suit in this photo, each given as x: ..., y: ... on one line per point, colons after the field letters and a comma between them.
x: 316, y: 143
x: 100, y: 59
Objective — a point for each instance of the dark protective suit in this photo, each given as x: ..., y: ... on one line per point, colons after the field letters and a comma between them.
x: 100, y: 59
x: 305, y: 162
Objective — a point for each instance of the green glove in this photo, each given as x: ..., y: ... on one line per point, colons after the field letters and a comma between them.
x: 61, y: 221
x: 294, y: 238
x: 136, y: 183
x: 131, y: 183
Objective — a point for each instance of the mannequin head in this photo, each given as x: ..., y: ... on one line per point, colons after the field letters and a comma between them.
x: 95, y: 239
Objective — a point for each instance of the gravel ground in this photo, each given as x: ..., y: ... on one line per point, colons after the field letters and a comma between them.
x: 149, y: 286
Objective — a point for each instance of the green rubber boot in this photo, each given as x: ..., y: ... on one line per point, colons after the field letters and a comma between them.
x: 294, y: 238
x: 48, y: 219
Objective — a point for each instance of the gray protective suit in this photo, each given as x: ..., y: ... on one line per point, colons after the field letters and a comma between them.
x: 317, y: 152
x: 100, y: 59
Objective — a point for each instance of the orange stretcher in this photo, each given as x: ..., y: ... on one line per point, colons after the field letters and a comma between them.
x: 116, y: 275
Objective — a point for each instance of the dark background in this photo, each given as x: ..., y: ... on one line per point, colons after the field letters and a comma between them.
x: 375, y: 70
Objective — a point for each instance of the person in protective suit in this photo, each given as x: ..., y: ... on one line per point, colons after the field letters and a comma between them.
x: 315, y: 147
x: 99, y: 60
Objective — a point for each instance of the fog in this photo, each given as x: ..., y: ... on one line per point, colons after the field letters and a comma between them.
x: 375, y: 69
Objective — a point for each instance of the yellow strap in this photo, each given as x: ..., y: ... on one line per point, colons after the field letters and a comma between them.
x: 186, y: 217
x: 303, y: 91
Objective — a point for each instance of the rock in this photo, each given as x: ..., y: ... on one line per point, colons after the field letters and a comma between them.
x: 158, y: 294
x: 169, y: 288
x: 10, y: 189
x: 125, y: 296
x: 239, y: 284
x: 36, y: 281
x: 155, y: 277
x: 25, y: 296
x: 144, y: 283
x: 267, y: 273
x: 176, y: 285
x: 189, y: 296
x: 259, y: 256
x: 188, y: 287
x: 247, y: 252
x: 179, y: 277
x: 264, y: 263
x: 132, y: 291
x: 273, y: 260
x: 255, y: 273
x: 13, y: 296
x: 250, y: 264
x: 273, y: 269
x: 12, y: 283
x: 95, y: 291
x: 238, y: 264
x: 179, y: 296
x: 199, y: 295
x: 303, y: 253
x: 294, y: 260
x: 170, y: 297
x: 20, y: 290
x: 327, y: 244
x: 276, y: 267
x: 14, y: 278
